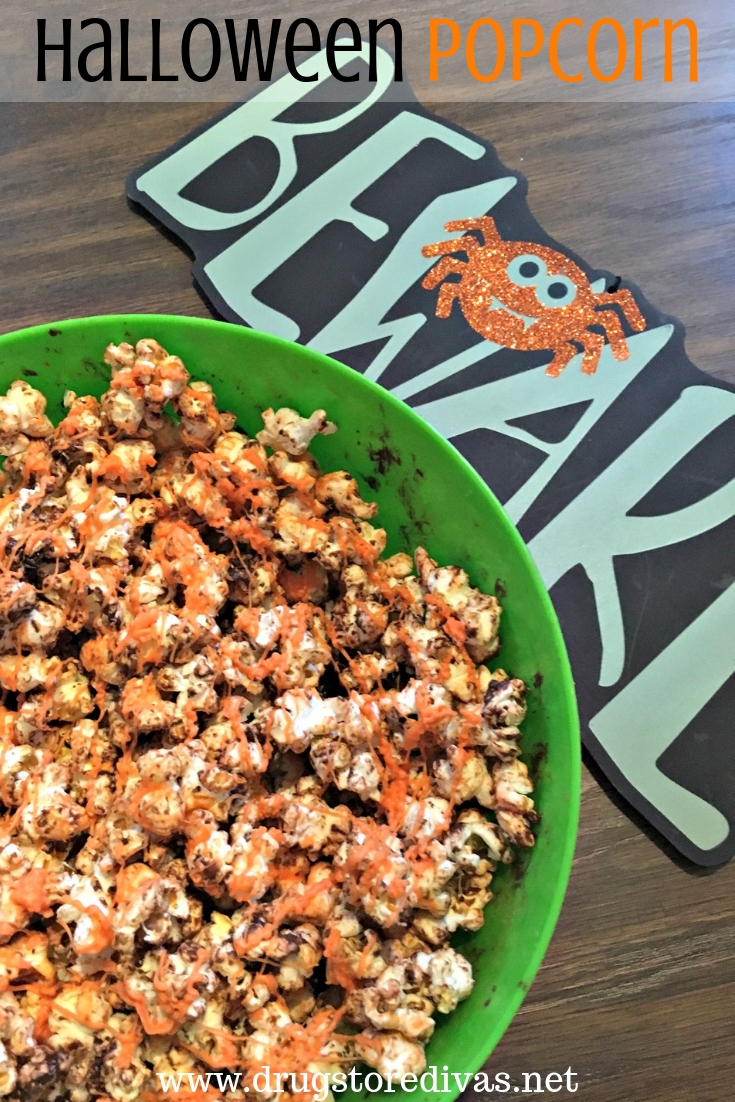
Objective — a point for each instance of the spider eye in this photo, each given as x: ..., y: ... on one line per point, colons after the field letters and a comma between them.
x: 558, y: 290
x: 525, y: 270
x: 552, y: 289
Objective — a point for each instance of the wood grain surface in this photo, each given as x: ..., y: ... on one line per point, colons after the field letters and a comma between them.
x: 637, y: 993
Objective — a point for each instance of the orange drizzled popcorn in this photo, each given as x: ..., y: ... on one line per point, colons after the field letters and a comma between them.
x: 253, y: 775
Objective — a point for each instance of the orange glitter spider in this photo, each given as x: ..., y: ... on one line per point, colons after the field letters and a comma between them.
x: 525, y: 296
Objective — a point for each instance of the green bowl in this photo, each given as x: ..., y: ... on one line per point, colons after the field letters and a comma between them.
x: 428, y: 495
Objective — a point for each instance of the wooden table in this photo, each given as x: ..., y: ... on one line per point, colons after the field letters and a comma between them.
x: 637, y: 993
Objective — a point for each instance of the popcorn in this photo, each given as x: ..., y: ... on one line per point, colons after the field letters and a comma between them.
x: 240, y: 753
x: 286, y: 430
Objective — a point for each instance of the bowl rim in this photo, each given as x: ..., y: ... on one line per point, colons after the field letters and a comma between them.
x: 490, y: 1039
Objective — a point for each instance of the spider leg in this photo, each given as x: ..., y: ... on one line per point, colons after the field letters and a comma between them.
x: 445, y: 299
x: 562, y: 356
x: 610, y: 322
x: 485, y: 224
x: 442, y: 269
x: 593, y: 344
x: 456, y: 245
x: 624, y: 299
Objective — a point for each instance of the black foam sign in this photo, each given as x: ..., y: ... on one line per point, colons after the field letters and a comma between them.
x: 307, y: 216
